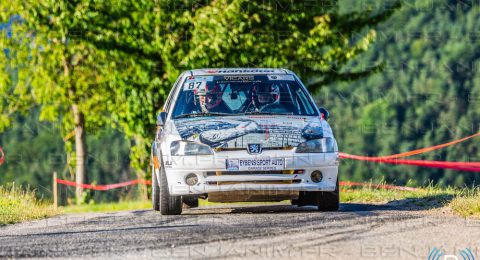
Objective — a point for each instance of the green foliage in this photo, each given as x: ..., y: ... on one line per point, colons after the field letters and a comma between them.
x: 52, y: 69
x: 427, y: 94
x: 35, y: 149
x: 66, y: 77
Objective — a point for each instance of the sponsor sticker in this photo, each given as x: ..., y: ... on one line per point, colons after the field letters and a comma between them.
x: 233, y: 165
x: 264, y: 164
x: 220, y: 71
x: 281, y: 77
x: 199, y: 78
x: 239, y: 78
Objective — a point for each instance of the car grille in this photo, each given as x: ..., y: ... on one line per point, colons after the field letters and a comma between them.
x: 251, y: 182
x: 255, y: 172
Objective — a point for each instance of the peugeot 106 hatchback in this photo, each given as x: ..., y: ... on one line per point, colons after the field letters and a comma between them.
x: 243, y: 135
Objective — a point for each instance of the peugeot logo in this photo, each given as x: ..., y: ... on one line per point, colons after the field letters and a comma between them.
x: 254, y: 148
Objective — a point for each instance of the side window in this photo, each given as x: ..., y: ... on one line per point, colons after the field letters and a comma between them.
x: 285, y: 94
x: 304, y: 102
x: 233, y: 99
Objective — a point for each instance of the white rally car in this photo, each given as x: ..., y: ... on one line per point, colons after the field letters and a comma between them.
x: 234, y: 135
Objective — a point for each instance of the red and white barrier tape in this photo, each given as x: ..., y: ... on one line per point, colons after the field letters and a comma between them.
x: 427, y: 149
x: 104, y: 187
x: 459, y: 166
x: 393, y: 159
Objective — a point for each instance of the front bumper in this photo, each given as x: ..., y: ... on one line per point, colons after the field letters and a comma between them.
x: 214, y: 177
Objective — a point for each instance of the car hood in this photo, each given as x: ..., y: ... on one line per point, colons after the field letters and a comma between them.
x: 232, y: 132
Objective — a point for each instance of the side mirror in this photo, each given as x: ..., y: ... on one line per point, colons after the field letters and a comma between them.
x: 324, y: 113
x: 161, y: 118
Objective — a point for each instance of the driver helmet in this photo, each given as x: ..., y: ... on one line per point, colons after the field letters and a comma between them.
x: 265, y: 95
x: 214, y: 96
x: 209, y: 97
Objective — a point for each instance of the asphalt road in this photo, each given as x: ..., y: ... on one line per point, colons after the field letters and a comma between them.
x: 357, y: 231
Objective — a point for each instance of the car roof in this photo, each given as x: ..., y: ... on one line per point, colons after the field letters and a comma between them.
x: 237, y: 71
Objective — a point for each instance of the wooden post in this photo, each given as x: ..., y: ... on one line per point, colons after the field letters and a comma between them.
x: 55, y: 190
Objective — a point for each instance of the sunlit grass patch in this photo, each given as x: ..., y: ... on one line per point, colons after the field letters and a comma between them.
x: 18, y: 204
x: 369, y: 194
x: 467, y: 203
x: 462, y: 201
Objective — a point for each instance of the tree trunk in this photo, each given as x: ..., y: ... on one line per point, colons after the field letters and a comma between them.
x: 80, y: 150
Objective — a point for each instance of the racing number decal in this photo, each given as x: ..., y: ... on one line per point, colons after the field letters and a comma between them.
x: 193, y: 85
x: 197, y: 82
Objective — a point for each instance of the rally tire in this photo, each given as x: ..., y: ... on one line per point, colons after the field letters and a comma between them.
x: 155, y: 192
x: 169, y: 205
x: 324, y: 200
x: 328, y: 200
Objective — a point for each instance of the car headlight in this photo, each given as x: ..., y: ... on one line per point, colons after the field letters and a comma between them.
x: 189, y: 148
x: 323, y: 145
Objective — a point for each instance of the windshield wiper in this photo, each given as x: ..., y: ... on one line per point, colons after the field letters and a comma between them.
x: 267, y: 113
x: 202, y: 114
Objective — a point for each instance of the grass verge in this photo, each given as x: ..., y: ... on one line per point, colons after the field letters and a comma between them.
x: 17, y: 204
x: 467, y: 204
x: 368, y: 194
x: 462, y: 201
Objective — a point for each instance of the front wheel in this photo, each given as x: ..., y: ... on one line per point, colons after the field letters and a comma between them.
x: 155, y: 192
x: 169, y: 205
x: 324, y: 200
x: 329, y: 200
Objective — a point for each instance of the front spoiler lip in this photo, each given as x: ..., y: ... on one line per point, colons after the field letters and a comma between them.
x: 203, y: 189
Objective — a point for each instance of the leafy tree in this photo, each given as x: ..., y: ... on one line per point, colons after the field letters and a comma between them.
x: 65, y: 75
x: 34, y: 150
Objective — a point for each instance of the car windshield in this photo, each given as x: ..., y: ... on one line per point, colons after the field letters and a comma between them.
x: 242, y: 94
